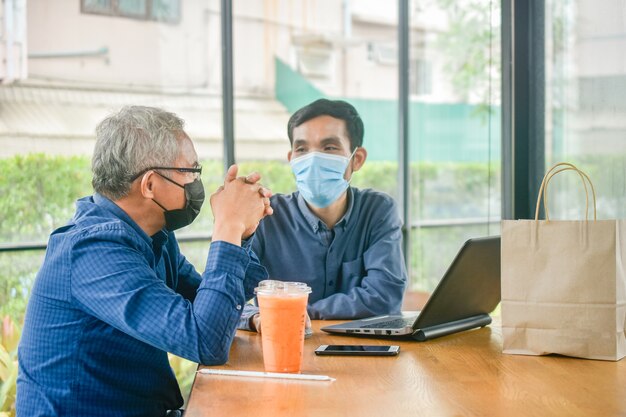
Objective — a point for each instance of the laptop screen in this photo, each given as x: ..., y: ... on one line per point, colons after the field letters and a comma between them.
x: 470, y: 286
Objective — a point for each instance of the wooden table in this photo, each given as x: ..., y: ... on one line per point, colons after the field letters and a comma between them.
x: 462, y: 374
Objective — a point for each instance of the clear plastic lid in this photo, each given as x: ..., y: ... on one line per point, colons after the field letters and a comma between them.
x: 270, y: 286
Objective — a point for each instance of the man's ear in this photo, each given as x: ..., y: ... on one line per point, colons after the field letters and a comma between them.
x: 359, y: 158
x: 289, y: 155
x: 147, y: 184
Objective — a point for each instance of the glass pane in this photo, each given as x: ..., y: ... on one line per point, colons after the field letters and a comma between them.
x: 166, y: 10
x: 585, y: 80
x: 301, y: 53
x: 17, y: 274
x: 48, y: 122
x: 132, y: 8
x: 454, y: 130
x: 97, y: 6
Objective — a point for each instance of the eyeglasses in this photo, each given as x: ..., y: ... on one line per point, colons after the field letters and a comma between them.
x: 197, y: 171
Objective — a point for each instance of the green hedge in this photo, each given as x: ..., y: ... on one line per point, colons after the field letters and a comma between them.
x: 37, y: 194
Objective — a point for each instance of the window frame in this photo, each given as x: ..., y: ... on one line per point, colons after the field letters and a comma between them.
x: 148, y: 16
x: 523, y: 105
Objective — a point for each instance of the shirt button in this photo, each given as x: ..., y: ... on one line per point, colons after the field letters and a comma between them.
x: 330, y: 283
x: 238, y: 307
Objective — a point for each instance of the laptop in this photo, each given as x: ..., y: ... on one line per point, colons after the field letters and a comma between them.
x: 463, y: 299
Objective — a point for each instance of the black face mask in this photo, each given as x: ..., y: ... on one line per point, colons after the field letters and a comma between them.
x: 194, y: 197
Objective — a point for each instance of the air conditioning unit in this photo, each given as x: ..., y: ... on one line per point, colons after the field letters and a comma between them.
x: 315, y: 62
x: 382, y: 53
x: 13, y: 53
x: 315, y: 55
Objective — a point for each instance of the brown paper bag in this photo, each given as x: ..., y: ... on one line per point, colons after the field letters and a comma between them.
x: 564, y: 283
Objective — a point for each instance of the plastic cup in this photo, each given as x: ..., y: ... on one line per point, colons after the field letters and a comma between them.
x: 282, y: 306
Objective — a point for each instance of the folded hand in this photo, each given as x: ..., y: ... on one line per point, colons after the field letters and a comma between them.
x: 238, y: 206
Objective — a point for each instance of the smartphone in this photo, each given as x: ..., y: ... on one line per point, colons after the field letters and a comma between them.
x: 358, y: 350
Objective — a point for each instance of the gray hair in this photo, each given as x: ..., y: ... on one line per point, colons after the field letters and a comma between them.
x: 129, y: 142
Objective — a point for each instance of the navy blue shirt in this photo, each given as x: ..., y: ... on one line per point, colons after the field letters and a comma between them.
x: 107, y: 305
x: 356, y: 269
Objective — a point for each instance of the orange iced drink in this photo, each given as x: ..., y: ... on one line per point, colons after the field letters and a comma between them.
x: 282, y: 306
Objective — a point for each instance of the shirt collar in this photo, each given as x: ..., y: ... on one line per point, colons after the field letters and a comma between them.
x: 315, y: 221
x: 107, y: 204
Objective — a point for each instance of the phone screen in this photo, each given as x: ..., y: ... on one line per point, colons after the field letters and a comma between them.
x: 365, y: 350
x: 358, y: 348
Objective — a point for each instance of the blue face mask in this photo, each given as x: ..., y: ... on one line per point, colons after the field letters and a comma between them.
x: 319, y: 177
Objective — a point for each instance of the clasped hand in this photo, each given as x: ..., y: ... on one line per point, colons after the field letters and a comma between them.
x: 238, y: 206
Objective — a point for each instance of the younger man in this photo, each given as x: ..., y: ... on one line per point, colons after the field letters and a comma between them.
x: 345, y: 243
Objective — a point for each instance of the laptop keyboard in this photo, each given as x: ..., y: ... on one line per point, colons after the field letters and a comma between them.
x: 391, y: 324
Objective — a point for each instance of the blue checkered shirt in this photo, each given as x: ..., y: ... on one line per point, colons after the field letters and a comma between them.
x: 107, y: 305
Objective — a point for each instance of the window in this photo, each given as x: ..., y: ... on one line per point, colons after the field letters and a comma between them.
x: 421, y: 81
x: 584, y: 105
x: 382, y: 53
x: 158, y: 10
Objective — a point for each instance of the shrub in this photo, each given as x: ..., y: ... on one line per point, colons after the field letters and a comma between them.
x: 9, y: 337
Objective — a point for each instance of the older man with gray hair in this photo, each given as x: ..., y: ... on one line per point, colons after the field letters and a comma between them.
x: 114, y: 293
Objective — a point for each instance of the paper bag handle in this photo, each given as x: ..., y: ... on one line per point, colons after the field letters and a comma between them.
x: 543, y: 190
x: 581, y: 174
